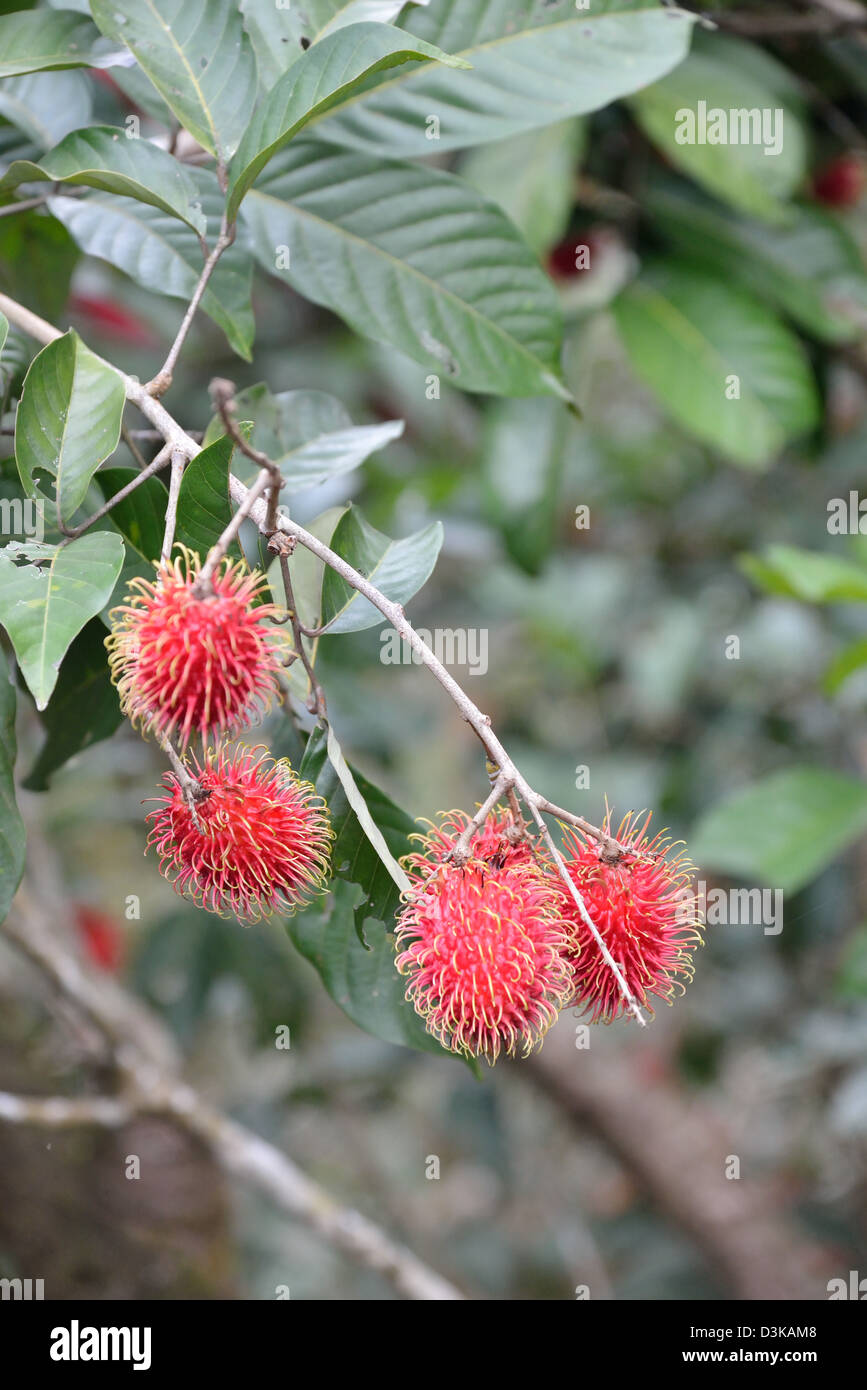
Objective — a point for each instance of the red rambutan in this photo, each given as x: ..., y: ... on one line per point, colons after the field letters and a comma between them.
x: 185, y: 664
x: 263, y: 839
x: 482, y: 941
x: 644, y: 908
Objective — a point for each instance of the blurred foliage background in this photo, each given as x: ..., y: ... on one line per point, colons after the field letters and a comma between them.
x: 608, y: 677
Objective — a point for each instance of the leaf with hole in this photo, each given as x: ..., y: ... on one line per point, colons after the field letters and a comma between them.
x: 44, y: 608
x: 68, y: 420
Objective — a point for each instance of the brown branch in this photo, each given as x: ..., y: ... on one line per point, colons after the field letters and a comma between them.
x: 163, y: 379
x: 150, y: 1085
x: 316, y: 699
x: 677, y: 1149
x: 829, y: 17
x: 149, y: 471
x: 258, y: 510
x: 179, y: 462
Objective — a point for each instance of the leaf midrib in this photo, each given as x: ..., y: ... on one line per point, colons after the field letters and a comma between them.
x: 686, y: 332
x: 500, y: 41
x: 435, y: 285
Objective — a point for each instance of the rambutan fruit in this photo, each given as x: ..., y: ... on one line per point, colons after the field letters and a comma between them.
x: 258, y: 842
x: 186, y: 664
x: 645, y: 909
x: 481, y: 942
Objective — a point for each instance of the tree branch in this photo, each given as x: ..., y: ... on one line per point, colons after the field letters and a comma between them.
x: 163, y: 379
x: 149, y: 1085
x: 258, y: 511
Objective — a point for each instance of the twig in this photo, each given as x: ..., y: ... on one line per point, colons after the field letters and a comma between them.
x: 150, y: 1085
x: 24, y: 206
x: 62, y: 1112
x: 204, y: 585
x: 163, y: 379
x: 630, y: 1000
x: 460, y: 850
x: 316, y: 699
x: 480, y: 723
x: 193, y: 791
x: 130, y: 443
x: 150, y: 469
x: 179, y: 462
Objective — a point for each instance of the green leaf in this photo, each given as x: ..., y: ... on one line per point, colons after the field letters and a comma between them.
x: 783, y: 830
x: 204, y: 510
x: 806, y: 574
x: 851, y: 659
x: 728, y: 75
x: 275, y: 35
x: 358, y: 856
x: 12, y: 835
x: 307, y: 572
x: 689, y: 334
x: 69, y: 419
x: 38, y: 40
x: 4, y: 331
x: 141, y: 517
x: 850, y: 980
x: 523, y: 459
x: 198, y: 57
x: 532, y: 64
x: 359, y: 12
x: 363, y: 982
x: 47, y: 106
x: 315, y: 82
x: 83, y: 709
x: 412, y: 257
x: 308, y: 433
x: 810, y: 268
x: 532, y: 178
x: 16, y: 358
x: 43, y: 609
x: 163, y: 255
x: 397, y: 568
x: 103, y: 157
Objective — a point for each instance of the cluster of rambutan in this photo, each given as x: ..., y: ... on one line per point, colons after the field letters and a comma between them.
x: 494, y: 943
x: 492, y: 940
x: 202, y: 660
